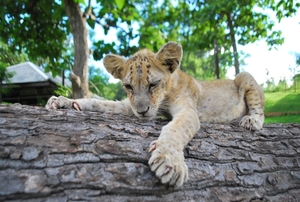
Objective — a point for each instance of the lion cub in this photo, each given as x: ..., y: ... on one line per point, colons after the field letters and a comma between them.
x: 156, y: 86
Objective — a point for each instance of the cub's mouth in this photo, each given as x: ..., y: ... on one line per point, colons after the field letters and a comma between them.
x: 145, y: 117
x: 150, y: 115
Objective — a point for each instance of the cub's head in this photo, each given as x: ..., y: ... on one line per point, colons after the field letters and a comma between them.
x: 146, y: 76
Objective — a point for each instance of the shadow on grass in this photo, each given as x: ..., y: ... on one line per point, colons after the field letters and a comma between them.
x: 289, y: 103
x: 294, y: 118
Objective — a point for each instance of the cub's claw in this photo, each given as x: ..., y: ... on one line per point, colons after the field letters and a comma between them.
x: 75, y: 106
x: 59, y: 102
x: 168, y: 163
x: 152, y: 148
x: 251, y: 123
x: 54, y: 105
x: 168, y: 169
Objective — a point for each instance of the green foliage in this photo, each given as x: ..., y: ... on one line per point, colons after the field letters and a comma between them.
x: 101, y: 48
x: 200, y: 65
x: 114, y: 91
x: 283, y: 8
x: 296, y: 82
x: 80, y: 1
x: 272, y: 87
x: 159, y: 23
x: 41, y: 29
x: 197, y: 24
x: 297, y: 55
x: 120, y: 3
x: 64, y: 91
x: 99, y: 85
x: 98, y: 80
x: 38, y: 28
x: 120, y: 17
x: 9, y: 57
x: 4, y: 76
x: 282, y: 85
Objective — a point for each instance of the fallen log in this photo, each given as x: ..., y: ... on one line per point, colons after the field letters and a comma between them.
x: 66, y: 155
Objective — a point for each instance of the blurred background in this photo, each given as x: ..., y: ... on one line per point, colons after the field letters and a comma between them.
x: 57, y: 46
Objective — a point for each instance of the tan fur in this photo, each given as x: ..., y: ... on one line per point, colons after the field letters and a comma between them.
x: 155, y: 85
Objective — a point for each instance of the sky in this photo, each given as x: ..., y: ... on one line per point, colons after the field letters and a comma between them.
x: 276, y: 62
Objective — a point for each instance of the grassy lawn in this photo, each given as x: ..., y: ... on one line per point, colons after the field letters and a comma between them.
x: 285, y: 101
x: 295, y: 118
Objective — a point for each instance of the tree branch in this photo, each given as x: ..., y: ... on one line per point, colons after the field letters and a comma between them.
x: 90, y: 156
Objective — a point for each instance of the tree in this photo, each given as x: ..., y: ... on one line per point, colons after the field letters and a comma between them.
x: 42, y: 29
x: 98, y: 81
x: 38, y: 28
x: 297, y: 55
x: 8, y: 58
x: 199, y: 65
x: 202, y: 24
x: 4, y: 76
x: 296, y: 81
x: 79, y: 76
x: 62, y: 155
x: 99, y: 85
x: 296, y: 72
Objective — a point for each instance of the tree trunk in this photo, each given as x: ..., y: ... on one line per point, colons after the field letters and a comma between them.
x: 79, y: 77
x: 216, y: 54
x: 233, y: 44
x: 1, y: 91
x: 65, y: 155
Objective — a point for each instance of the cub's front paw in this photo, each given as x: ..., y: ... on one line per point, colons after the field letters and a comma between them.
x: 61, y: 102
x: 168, y: 163
x: 251, y: 123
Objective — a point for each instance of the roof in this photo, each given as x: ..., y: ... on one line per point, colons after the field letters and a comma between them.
x: 28, y: 72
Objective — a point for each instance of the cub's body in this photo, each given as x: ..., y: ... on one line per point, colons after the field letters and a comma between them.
x: 155, y: 85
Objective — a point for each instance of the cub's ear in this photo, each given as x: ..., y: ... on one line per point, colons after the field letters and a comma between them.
x: 170, y: 56
x: 114, y: 64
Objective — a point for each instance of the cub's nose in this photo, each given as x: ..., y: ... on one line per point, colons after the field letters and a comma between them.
x: 143, y: 111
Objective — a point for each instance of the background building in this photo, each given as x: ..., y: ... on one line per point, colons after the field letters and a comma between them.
x: 30, y: 85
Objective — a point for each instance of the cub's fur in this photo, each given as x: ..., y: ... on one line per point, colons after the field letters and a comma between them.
x: 156, y: 86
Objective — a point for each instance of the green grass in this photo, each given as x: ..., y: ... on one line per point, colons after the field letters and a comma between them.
x: 284, y: 101
x: 295, y: 118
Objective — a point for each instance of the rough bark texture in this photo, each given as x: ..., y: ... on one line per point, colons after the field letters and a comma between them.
x: 66, y: 155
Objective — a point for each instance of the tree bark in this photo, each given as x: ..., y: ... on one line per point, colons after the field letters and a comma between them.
x: 79, y: 77
x: 66, y: 155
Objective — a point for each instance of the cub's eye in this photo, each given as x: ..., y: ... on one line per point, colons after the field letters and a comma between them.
x: 128, y: 87
x: 153, y: 85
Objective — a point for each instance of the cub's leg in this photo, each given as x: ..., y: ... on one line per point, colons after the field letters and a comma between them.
x: 254, y: 98
x: 120, y: 107
x: 167, y: 158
